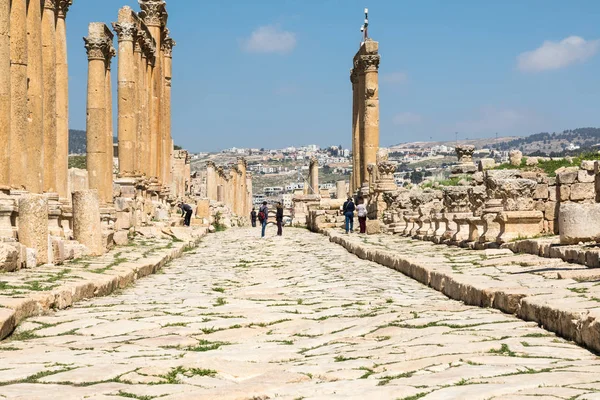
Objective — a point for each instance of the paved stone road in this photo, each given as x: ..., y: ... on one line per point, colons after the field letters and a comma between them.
x: 287, y: 318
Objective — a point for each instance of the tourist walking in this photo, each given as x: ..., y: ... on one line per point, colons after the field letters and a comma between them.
x: 279, y: 219
x: 253, y: 217
x: 348, y: 210
x: 186, y: 212
x: 263, y: 216
x: 361, y: 211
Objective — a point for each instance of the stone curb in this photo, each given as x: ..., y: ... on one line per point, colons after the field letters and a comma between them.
x: 576, y: 322
x: 14, y: 311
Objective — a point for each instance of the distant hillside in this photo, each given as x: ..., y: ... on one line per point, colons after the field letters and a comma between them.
x: 78, y: 141
x: 548, y: 143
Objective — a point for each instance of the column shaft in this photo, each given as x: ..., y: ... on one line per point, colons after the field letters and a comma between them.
x: 108, y: 177
x: 361, y: 175
x: 62, y: 106
x: 5, y: 91
x: 19, y: 111
x: 139, y: 88
x: 49, y: 94
x: 127, y: 114
x: 35, y: 130
x: 371, y: 120
x: 155, y: 116
x: 356, y: 162
x: 168, y: 153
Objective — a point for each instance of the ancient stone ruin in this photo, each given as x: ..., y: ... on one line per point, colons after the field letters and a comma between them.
x: 48, y: 213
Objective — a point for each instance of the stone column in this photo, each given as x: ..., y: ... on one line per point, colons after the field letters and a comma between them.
x: 314, y: 176
x: 4, y: 91
x: 98, y: 47
x: 211, y: 181
x: 62, y: 101
x: 154, y: 15
x: 370, y: 62
x: 361, y: 174
x: 49, y: 94
x: 35, y: 129
x: 234, y: 190
x: 19, y: 114
x: 355, y: 182
x: 86, y: 221
x: 167, y: 50
x: 127, y: 123
x: 249, y: 193
x: 341, y: 192
x: 108, y: 177
x: 33, y: 225
x: 220, y: 196
x: 139, y: 68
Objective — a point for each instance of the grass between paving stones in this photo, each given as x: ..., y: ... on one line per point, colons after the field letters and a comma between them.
x: 415, y: 397
x: 503, y: 350
x: 172, y: 377
x: 134, y: 396
x: 35, y: 377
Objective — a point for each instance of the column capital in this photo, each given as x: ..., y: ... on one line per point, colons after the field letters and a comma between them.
x: 63, y: 8
x: 97, y: 47
x: 369, y: 63
x: 50, y: 4
x: 153, y: 12
x: 354, y: 76
x: 210, y: 164
x: 167, y: 46
x: 126, y: 31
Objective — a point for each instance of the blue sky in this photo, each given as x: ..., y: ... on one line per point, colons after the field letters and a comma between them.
x: 273, y: 73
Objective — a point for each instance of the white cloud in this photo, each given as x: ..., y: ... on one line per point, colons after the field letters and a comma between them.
x: 270, y: 39
x: 407, y: 118
x: 555, y: 55
x: 394, y: 78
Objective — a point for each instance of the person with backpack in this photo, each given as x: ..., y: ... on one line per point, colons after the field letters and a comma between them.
x: 279, y: 219
x: 253, y: 217
x: 361, y: 211
x: 348, y: 210
x: 263, y: 216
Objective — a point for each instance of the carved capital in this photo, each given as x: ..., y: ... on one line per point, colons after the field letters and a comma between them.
x: 153, y: 12
x: 354, y: 76
x: 50, y: 4
x: 386, y: 168
x: 96, y: 47
x: 126, y: 31
x: 63, y: 8
x: 167, y: 46
x: 369, y: 62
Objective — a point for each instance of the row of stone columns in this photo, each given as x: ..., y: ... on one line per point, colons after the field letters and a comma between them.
x: 365, y: 111
x: 145, y: 72
x: 34, y: 95
x: 233, y: 188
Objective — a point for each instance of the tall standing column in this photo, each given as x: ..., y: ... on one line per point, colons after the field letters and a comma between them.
x: 62, y: 101
x: 360, y: 130
x: 35, y: 89
x: 150, y: 147
x: 140, y: 69
x: 356, y: 162
x: 97, y: 46
x: 19, y: 110
x: 127, y: 116
x: 314, y: 176
x: 5, y: 91
x: 108, y: 177
x: 211, y: 181
x: 370, y: 61
x: 154, y: 15
x: 167, y: 50
x: 49, y: 93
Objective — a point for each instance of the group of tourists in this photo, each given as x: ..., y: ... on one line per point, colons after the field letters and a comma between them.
x: 361, y: 210
x: 263, y: 218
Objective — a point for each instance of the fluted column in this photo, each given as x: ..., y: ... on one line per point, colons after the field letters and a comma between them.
x: 127, y: 116
x: 62, y: 101
x: 18, y: 94
x: 4, y: 91
x: 35, y: 89
x: 370, y: 64
x: 98, y: 45
x: 49, y: 93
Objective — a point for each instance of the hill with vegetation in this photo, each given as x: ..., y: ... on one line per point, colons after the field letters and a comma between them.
x: 78, y: 141
x: 554, y: 144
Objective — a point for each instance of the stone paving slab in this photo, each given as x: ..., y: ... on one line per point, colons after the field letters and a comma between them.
x: 33, y: 292
x: 533, y: 288
x: 290, y: 318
